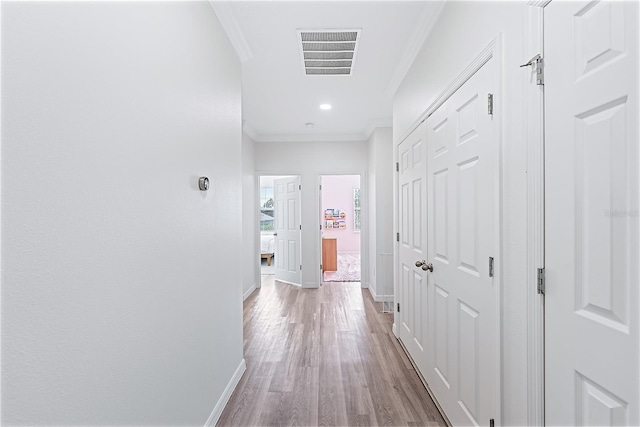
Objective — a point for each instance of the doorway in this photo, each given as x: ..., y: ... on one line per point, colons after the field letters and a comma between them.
x: 340, y: 228
x: 280, y: 239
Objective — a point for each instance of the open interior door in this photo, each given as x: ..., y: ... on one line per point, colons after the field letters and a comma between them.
x: 288, y: 268
x: 591, y: 213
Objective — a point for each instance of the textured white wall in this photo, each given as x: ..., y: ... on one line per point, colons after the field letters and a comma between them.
x: 250, y: 232
x: 463, y: 30
x: 121, y: 298
x: 309, y: 160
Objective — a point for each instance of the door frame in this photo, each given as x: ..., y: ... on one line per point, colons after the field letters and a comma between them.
x: 364, y: 230
x: 494, y: 50
x: 533, y: 97
x: 258, y: 175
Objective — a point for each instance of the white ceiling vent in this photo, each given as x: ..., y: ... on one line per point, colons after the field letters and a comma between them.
x: 328, y: 52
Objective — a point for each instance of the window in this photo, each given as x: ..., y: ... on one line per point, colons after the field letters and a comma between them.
x: 266, y: 208
x: 356, y: 209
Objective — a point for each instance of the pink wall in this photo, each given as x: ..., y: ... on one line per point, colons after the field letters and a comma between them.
x: 337, y: 193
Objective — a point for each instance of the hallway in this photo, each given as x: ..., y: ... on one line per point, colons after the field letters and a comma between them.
x: 324, y: 357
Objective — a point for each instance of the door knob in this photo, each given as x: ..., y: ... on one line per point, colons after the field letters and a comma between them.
x: 420, y: 263
x: 426, y: 267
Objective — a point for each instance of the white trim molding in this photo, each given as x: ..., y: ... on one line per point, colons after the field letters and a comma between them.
x: 224, y: 12
x: 427, y: 21
x: 533, y: 134
x: 379, y: 298
x: 249, y: 291
x: 226, y: 395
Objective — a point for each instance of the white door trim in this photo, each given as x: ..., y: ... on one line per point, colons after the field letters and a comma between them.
x: 364, y: 225
x: 492, y: 50
x: 533, y: 100
x: 534, y: 123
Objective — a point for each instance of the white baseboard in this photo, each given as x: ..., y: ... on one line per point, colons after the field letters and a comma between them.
x: 380, y: 298
x: 394, y: 330
x: 249, y: 292
x: 226, y: 395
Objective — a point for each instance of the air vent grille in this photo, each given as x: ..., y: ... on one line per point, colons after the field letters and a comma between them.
x: 328, y: 52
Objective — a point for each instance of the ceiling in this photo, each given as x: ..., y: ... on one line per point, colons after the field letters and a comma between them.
x: 279, y: 99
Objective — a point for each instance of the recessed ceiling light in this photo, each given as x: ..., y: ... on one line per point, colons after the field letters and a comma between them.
x: 309, y: 125
x: 325, y: 106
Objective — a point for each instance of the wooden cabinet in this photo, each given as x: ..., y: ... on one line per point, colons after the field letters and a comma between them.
x: 330, y: 254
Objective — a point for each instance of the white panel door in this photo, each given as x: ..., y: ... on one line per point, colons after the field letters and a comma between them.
x: 591, y: 213
x: 287, y: 236
x: 412, y: 287
x: 462, y: 228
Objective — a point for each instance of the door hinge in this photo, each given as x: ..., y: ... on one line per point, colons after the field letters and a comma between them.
x: 490, y: 104
x: 490, y: 266
x: 299, y: 186
x: 300, y: 266
x: 541, y: 281
x: 397, y: 166
x: 397, y: 237
x: 537, y: 62
x: 320, y: 227
x: 320, y: 267
x: 320, y: 187
x: 398, y: 307
x: 492, y: 423
x: 300, y: 226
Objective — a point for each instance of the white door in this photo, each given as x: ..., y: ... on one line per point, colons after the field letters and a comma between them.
x: 591, y: 213
x: 287, y: 235
x: 412, y: 287
x: 462, y: 211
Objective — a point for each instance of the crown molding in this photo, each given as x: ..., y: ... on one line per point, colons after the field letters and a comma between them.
x: 427, y: 20
x: 378, y: 123
x: 538, y: 3
x: 311, y: 138
x: 228, y: 20
x: 249, y: 131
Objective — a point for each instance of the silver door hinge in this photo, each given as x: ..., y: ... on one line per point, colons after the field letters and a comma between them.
x: 490, y: 266
x: 320, y: 227
x: 300, y: 226
x: 541, y: 281
x: 320, y: 267
x: 398, y: 307
x: 490, y: 104
x: 300, y: 266
x: 537, y: 62
x: 397, y: 167
x: 397, y: 237
x: 320, y: 186
x: 492, y: 423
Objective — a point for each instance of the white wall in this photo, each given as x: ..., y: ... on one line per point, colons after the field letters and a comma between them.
x: 250, y: 259
x: 380, y: 172
x: 310, y: 160
x: 464, y: 29
x: 121, y: 299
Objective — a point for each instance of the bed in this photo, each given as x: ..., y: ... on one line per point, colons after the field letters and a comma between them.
x: 267, y: 244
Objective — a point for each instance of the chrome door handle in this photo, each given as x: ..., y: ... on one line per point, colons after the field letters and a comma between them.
x: 426, y: 267
x: 420, y: 263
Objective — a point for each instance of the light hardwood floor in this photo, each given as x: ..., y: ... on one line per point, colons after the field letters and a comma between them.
x: 320, y: 357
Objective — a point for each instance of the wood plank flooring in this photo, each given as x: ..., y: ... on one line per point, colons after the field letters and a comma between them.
x: 324, y: 357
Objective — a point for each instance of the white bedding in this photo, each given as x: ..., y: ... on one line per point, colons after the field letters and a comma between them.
x: 267, y: 243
